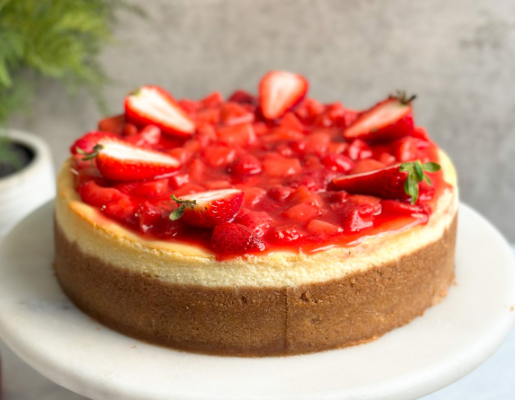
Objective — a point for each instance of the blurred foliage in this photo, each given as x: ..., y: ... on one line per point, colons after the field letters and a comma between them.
x: 56, y: 39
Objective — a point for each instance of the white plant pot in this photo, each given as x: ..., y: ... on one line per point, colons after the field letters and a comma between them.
x: 25, y: 190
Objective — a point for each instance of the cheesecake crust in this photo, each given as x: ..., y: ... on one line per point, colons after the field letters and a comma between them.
x: 258, y: 321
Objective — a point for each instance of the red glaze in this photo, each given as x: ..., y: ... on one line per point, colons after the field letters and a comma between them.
x: 283, y: 167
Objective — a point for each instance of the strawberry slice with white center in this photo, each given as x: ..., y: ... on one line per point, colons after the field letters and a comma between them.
x: 208, y: 209
x: 401, y: 181
x: 152, y: 105
x: 119, y: 161
x: 391, y: 119
x: 279, y: 91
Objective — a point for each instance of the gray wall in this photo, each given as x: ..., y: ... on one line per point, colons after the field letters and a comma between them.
x: 457, y: 55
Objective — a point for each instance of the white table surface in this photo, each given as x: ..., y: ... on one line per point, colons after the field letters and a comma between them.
x: 494, y: 380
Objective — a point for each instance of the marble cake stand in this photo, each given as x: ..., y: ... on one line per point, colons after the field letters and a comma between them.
x: 39, y: 323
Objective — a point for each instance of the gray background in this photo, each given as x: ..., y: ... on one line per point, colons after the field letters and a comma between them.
x: 457, y: 55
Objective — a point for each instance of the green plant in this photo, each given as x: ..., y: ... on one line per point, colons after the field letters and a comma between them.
x: 56, y: 39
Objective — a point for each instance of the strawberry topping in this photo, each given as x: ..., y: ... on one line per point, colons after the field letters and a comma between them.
x: 274, y: 172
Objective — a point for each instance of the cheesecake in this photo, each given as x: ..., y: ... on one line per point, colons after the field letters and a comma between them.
x: 256, y: 225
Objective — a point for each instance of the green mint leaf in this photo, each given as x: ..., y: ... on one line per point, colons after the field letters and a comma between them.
x: 431, y: 167
x: 177, y: 213
x: 426, y: 178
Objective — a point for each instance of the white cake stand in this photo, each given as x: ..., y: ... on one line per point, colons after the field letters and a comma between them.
x: 44, y: 328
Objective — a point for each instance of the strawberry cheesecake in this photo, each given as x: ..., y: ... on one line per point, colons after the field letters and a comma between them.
x: 256, y: 225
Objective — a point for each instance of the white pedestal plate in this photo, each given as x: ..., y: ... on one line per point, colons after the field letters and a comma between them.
x: 43, y: 327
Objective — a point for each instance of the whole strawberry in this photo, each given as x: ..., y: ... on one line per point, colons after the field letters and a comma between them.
x: 230, y: 238
x: 208, y: 209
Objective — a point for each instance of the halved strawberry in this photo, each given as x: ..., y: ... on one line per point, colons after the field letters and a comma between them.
x: 152, y: 105
x: 120, y: 161
x: 279, y: 91
x: 230, y: 238
x: 400, y: 181
x: 387, y: 120
x: 86, y: 143
x: 208, y: 209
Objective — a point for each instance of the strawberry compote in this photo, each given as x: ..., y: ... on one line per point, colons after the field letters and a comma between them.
x: 218, y: 173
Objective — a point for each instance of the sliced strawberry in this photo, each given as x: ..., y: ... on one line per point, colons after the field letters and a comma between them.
x: 230, y: 238
x: 114, y: 124
x: 246, y: 165
x: 388, y: 120
x: 208, y: 209
x: 401, y: 181
x: 386, y: 183
x: 95, y: 195
x: 87, y: 142
x: 259, y: 222
x: 152, y: 105
x: 120, y: 161
x: 279, y: 91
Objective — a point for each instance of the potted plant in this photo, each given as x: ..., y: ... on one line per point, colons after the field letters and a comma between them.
x: 43, y: 39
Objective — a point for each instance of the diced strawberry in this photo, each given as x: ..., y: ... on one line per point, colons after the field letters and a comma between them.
x: 218, y: 156
x: 126, y: 187
x: 187, y: 189
x: 178, y: 180
x: 217, y: 184
x: 286, y: 234
x: 305, y: 195
x: 281, y: 167
x: 260, y: 128
x: 338, y: 162
x: 112, y: 124
x: 241, y: 135
x: 421, y: 133
x: 323, y: 228
x: 231, y: 238
x: 89, y: 173
x: 87, y: 142
x: 208, y: 209
x: 387, y: 159
x: 258, y: 222
x: 333, y: 115
x: 284, y: 149
x: 407, y: 149
x: 338, y: 198
x: 149, y: 136
x: 206, y: 134
x: 167, y: 228
x: 180, y: 154
x: 354, y: 217
x: 317, y: 142
x: 233, y: 114
x: 280, y: 193
x: 398, y: 207
x: 253, y: 196
x: 337, y: 147
x: 301, y: 212
x: 386, y: 183
x: 241, y: 96
x: 245, y: 165
x: 152, y: 105
x: 95, y: 195
x: 152, y: 189
x: 277, y: 134
x: 197, y: 170
x: 120, y: 161
x: 279, y: 91
x: 191, y: 107
x: 290, y: 121
x: 388, y: 120
x: 213, y: 100
x: 358, y: 150
x: 122, y: 209
x: 210, y: 116
x: 149, y: 217
x: 366, y: 166
x: 129, y: 130
x: 308, y: 110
